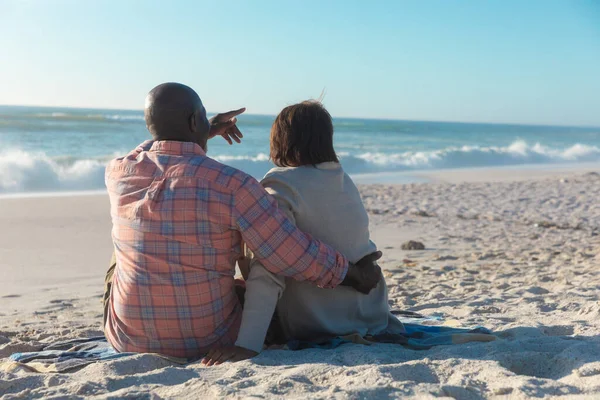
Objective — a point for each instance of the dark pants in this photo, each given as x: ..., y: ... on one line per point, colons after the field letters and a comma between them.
x: 107, y: 288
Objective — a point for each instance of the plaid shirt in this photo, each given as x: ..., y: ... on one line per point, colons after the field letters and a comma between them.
x: 179, y: 218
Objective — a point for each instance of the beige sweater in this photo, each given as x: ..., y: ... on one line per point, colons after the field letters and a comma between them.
x: 324, y: 202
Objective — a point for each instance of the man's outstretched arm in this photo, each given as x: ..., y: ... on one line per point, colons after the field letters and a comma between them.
x: 225, y: 125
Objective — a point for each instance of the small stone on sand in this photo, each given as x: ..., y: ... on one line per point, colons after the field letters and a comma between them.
x: 413, y: 245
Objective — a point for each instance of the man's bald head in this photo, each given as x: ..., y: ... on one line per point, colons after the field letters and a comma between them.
x: 175, y: 112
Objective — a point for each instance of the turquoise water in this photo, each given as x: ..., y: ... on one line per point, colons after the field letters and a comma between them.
x: 63, y: 149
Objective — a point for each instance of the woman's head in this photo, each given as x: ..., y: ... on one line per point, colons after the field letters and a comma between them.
x: 302, y: 134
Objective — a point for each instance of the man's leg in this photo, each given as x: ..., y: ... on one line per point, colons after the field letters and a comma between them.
x: 240, y: 290
x: 108, y: 287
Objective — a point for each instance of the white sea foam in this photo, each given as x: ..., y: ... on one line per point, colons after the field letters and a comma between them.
x: 91, y: 117
x: 32, y: 172
x: 22, y: 171
x: 52, y: 115
x: 259, y: 157
x: 120, y: 117
x: 517, y: 153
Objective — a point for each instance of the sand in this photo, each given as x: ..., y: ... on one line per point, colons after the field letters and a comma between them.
x: 519, y: 256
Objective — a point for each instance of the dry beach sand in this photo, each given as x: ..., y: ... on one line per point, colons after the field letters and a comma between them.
x: 518, y: 256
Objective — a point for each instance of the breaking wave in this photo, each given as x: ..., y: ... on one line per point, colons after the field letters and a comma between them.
x: 60, y: 116
x: 22, y: 171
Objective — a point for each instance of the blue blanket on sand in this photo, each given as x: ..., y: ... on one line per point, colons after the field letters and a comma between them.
x: 416, y: 337
x: 75, y: 354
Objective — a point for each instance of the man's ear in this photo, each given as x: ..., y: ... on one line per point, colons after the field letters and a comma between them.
x: 193, y: 122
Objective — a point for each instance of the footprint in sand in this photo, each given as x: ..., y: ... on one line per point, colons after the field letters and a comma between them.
x: 59, y: 303
x: 590, y: 369
x: 558, y: 330
x: 553, y: 363
x: 411, y: 372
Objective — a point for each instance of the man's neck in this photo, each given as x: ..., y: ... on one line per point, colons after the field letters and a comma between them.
x: 173, y: 138
x: 181, y: 139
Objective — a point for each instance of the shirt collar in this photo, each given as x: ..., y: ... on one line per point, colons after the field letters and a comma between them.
x: 329, y: 165
x: 172, y: 147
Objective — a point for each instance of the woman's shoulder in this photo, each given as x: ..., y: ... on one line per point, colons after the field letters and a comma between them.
x: 281, y: 178
x: 280, y: 171
x: 304, y: 170
x: 306, y: 178
x: 283, y: 183
x: 289, y: 174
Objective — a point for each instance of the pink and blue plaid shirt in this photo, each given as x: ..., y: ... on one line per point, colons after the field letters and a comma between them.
x: 179, y: 218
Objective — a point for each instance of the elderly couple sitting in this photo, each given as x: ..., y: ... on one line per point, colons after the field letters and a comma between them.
x: 181, y: 222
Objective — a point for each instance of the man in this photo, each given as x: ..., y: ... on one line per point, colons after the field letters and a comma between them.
x: 179, y: 218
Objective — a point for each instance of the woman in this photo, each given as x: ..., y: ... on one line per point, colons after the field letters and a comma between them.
x: 320, y: 198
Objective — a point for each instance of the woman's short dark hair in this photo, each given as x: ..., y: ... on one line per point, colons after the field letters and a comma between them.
x: 302, y: 134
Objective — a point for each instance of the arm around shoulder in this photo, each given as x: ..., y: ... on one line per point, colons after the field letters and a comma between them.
x: 279, y: 245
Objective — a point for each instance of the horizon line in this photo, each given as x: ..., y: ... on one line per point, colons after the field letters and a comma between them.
x: 334, y: 117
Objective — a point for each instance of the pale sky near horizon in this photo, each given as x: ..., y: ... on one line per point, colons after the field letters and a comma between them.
x: 475, y: 61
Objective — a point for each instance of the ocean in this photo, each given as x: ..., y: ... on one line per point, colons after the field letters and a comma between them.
x: 65, y: 149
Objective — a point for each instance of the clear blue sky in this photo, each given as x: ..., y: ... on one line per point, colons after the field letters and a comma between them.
x: 523, y: 61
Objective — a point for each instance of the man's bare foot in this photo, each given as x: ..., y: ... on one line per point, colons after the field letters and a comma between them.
x: 230, y: 353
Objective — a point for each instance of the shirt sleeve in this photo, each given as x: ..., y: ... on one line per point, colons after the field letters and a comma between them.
x: 113, y: 165
x: 281, y: 247
x: 263, y: 289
